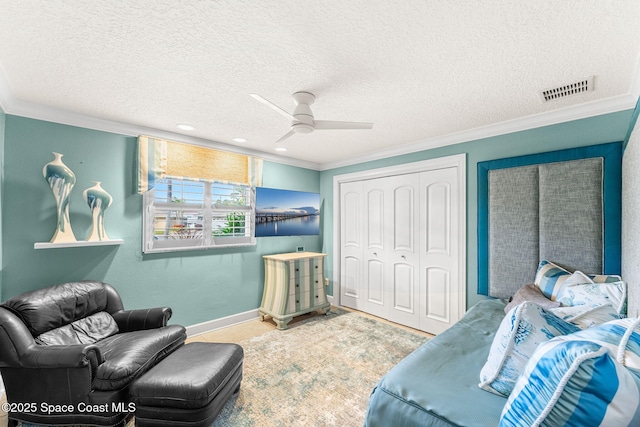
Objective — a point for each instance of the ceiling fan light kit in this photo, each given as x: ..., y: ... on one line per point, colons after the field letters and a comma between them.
x: 302, y: 120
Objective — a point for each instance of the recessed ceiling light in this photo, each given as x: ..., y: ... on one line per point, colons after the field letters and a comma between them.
x: 184, y: 126
x: 281, y: 149
x: 238, y: 139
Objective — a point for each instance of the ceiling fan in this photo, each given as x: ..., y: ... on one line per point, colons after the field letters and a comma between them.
x: 302, y: 120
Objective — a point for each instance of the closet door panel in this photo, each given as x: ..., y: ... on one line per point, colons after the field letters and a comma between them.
x: 403, y: 255
x: 351, y: 276
x: 438, y: 228
x: 404, y: 288
x: 438, y: 290
x: 404, y: 218
x: 352, y: 245
x: 375, y: 282
x: 439, y: 259
x: 375, y: 220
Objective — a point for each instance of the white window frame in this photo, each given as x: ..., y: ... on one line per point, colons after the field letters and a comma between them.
x: 207, y: 240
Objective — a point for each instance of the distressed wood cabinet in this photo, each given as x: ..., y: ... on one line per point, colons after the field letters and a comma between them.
x: 293, y: 285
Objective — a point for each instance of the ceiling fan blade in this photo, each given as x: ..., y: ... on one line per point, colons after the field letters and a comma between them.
x: 328, y: 125
x: 285, y: 136
x: 272, y: 105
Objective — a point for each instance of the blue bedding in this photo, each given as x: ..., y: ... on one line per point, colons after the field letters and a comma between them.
x: 437, y: 385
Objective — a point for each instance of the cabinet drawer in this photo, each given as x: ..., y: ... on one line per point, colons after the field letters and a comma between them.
x: 303, y: 301
x: 318, y: 281
x: 310, y: 299
x: 298, y: 285
x: 307, y: 267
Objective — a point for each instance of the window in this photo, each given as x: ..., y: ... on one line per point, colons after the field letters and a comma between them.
x: 195, y: 197
x: 183, y: 214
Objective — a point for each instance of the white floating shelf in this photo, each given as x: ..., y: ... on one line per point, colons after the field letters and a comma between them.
x: 79, y: 244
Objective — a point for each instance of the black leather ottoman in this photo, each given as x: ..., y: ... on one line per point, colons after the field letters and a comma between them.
x: 189, y: 387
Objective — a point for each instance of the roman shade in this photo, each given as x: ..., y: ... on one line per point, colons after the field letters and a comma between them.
x: 160, y: 158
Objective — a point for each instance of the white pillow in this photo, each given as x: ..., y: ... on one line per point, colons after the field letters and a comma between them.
x: 521, y: 331
x: 579, y: 289
x: 550, y: 277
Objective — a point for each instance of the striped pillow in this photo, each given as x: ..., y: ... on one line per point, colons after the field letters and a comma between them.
x: 588, y: 378
x: 621, y: 337
x: 550, y: 278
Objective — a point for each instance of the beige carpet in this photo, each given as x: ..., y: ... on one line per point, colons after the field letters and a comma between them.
x: 319, y: 372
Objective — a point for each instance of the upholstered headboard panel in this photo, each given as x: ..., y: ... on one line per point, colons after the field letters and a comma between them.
x: 561, y: 206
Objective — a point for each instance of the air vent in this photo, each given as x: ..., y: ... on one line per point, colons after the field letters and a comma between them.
x: 570, y: 89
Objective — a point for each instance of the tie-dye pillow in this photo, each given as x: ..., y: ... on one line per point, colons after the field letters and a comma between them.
x: 521, y: 331
x: 589, y: 378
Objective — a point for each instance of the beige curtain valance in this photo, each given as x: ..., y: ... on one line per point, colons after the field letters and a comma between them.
x: 160, y: 158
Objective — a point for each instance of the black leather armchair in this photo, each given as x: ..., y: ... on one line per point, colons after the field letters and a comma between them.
x: 68, y: 353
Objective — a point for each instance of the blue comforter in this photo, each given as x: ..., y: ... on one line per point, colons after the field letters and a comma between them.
x: 437, y: 385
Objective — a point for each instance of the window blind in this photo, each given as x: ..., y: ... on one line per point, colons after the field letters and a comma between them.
x: 160, y: 158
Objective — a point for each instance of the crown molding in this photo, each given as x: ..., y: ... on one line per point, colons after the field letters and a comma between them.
x: 13, y: 106
x: 583, y: 111
x: 592, y: 109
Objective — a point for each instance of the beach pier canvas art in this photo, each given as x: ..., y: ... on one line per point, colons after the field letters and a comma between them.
x: 286, y: 212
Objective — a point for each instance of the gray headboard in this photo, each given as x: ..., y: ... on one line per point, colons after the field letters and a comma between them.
x: 558, y: 206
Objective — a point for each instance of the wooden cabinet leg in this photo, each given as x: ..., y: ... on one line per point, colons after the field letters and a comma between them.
x: 282, y: 323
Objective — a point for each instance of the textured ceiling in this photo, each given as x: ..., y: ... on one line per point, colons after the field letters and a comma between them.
x: 423, y: 71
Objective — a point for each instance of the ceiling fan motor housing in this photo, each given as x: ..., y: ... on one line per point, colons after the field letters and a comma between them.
x: 302, y: 127
x: 303, y: 113
x: 302, y: 120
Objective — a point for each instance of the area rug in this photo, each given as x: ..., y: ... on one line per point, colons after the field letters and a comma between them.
x: 319, y: 372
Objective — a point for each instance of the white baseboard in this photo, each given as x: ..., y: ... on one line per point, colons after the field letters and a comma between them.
x: 234, y: 319
x: 212, y: 325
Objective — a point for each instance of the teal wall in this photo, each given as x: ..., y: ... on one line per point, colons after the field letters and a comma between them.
x: 590, y: 131
x: 198, y: 285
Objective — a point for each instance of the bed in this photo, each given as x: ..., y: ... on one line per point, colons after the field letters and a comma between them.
x: 418, y: 391
x: 563, y: 206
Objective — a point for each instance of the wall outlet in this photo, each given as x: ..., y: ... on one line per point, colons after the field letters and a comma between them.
x: 326, y: 282
x: 300, y: 249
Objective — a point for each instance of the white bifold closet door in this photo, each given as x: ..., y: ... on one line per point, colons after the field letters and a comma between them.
x: 399, y: 256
